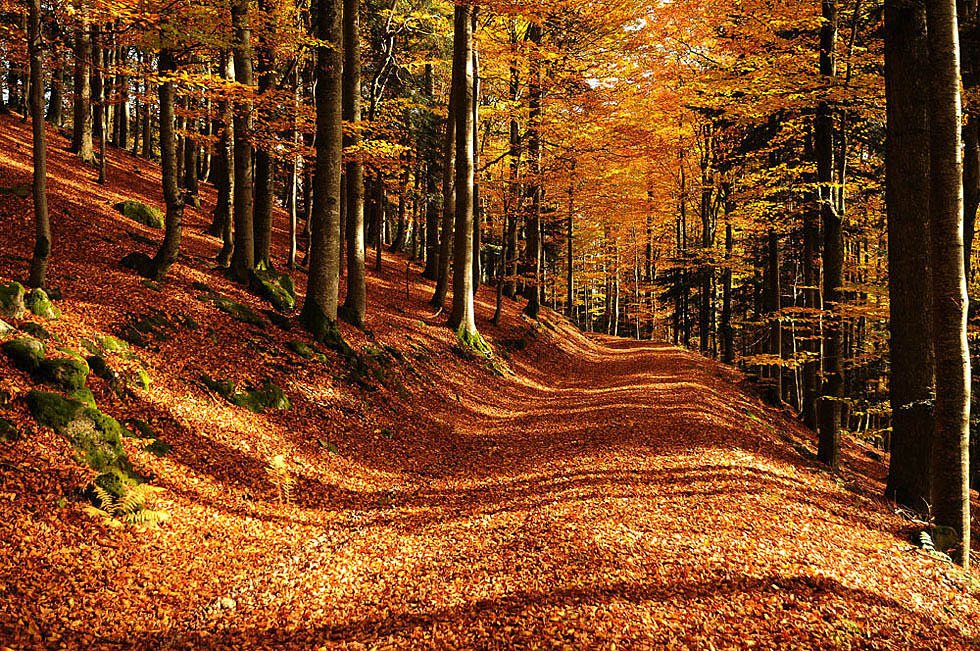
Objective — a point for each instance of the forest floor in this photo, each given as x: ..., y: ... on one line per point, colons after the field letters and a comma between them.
x: 580, y: 492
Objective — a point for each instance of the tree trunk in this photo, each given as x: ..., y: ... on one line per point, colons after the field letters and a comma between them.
x: 81, y: 142
x: 243, y: 258
x: 448, y: 202
x: 265, y: 167
x: 191, y: 153
x: 42, y: 228
x: 355, y: 303
x: 534, y: 244
x: 430, y: 134
x: 319, y: 314
x: 950, y: 449
x: 462, y: 318
x: 829, y: 407
x: 56, y: 105
x: 167, y: 255
x: 912, y: 380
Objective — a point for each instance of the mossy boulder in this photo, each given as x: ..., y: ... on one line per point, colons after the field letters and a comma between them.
x: 142, y: 213
x: 95, y: 436
x: 237, y: 311
x: 25, y: 353
x: 6, y: 328
x: 275, y: 287
x: 83, y: 395
x: 39, y: 303
x: 111, y: 344
x: 8, y: 431
x: 224, y: 388
x: 302, y: 349
x: 142, y: 330
x: 67, y: 373
x: 139, y: 379
x: 12, y: 300
x: 268, y: 396
x: 36, y: 330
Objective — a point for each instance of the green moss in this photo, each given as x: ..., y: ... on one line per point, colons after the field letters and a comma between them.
x: 36, y: 330
x: 52, y: 410
x: 84, y: 396
x: 149, y: 284
x: 140, y: 212
x: 6, y: 328
x: 26, y: 353
x: 139, y: 379
x: 70, y: 374
x: 474, y: 341
x: 268, y: 396
x: 8, y: 431
x: 158, y: 448
x: 237, y: 311
x: 275, y: 287
x: 39, y: 303
x: 12, y: 300
x: 302, y: 349
x: 224, y: 388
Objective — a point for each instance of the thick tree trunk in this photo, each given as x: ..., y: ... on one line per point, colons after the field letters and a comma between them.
x: 432, y: 169
x: 191, y: 154
x: 355, y: 303
x: 319, y: 314
x: 167, y: 255
x: 912, y: 380
x: 56, y: 105
x: 950, y: 449
x: 462, y: 319
x: 265, y: 167
x: 448, y: 202
x: 243, y: 258
x: 971, y: 186
x: 829, y: 406
x: 42, y: 228
x: 222, y: 223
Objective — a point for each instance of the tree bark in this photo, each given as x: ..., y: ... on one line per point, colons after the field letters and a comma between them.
x: 829, y: 404
x: 167, y: 254
x: 912, y: 380
x: 534, y: 244
x: 243, y: 258
x: 354, y: 309
x: 319, y: 315
x: 950, y: 449
x: 462, y: 319
x: 264, y: 163
x: 42, y: 227
x: 81, y: 143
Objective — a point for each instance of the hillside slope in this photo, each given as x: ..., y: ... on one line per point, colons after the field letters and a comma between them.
x: 582, y: 493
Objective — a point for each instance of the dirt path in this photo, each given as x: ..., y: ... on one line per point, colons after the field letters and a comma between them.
x: 627, y: 499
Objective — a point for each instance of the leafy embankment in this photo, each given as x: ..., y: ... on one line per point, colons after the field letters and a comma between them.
x: 573, y: 492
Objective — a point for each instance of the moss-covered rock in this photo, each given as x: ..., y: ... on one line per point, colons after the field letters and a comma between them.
x: 69, y: 374
x: 83, y: 395
x: 36, y: 330
x: 302, y: 349
x: 8, y: 431
x: 275, y: 287
x: 268, y: 396
x: 12, y: 300
x: 39, y: 303
x: 139, y: 379
x: 53, y: 410
x: 142, y: 330
x: 6, y: 328
x: 224, y: 388
x: 26, y: 353
x: 111, y: 344
x: 140, y: 212
x: 237, y: 311
x: 158, y: 448
x: 21, y: 190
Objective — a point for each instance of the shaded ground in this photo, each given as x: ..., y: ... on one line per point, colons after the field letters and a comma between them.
x: 601, y: 494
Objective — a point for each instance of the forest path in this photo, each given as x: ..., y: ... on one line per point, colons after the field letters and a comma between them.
x: 628, y: 496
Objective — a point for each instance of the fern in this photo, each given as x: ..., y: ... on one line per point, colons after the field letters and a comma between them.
x: 282, y: 479
x: 128, y: 509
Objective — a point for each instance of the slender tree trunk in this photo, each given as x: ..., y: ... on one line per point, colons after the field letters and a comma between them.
x: 534, y: 243
x: 81, y: 143
x: 432, y: 169
x: 355, y: 303
x: 829, y: 407
x: 448, y: 202
x: 100, y: 97
x: 264, y: 163
x: 42, y: 228
x: 243, y: 258
x: 950, y: 449
x: 912, y: 381
x: 971, y: 186
x: 462, y: 318
x: 477, y: 211
x: 222, y: 222
x: 319, y: 315
x: 191, y: 153
x: 727, y: 331
x: 56, y: 105
x: 167, y: 255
